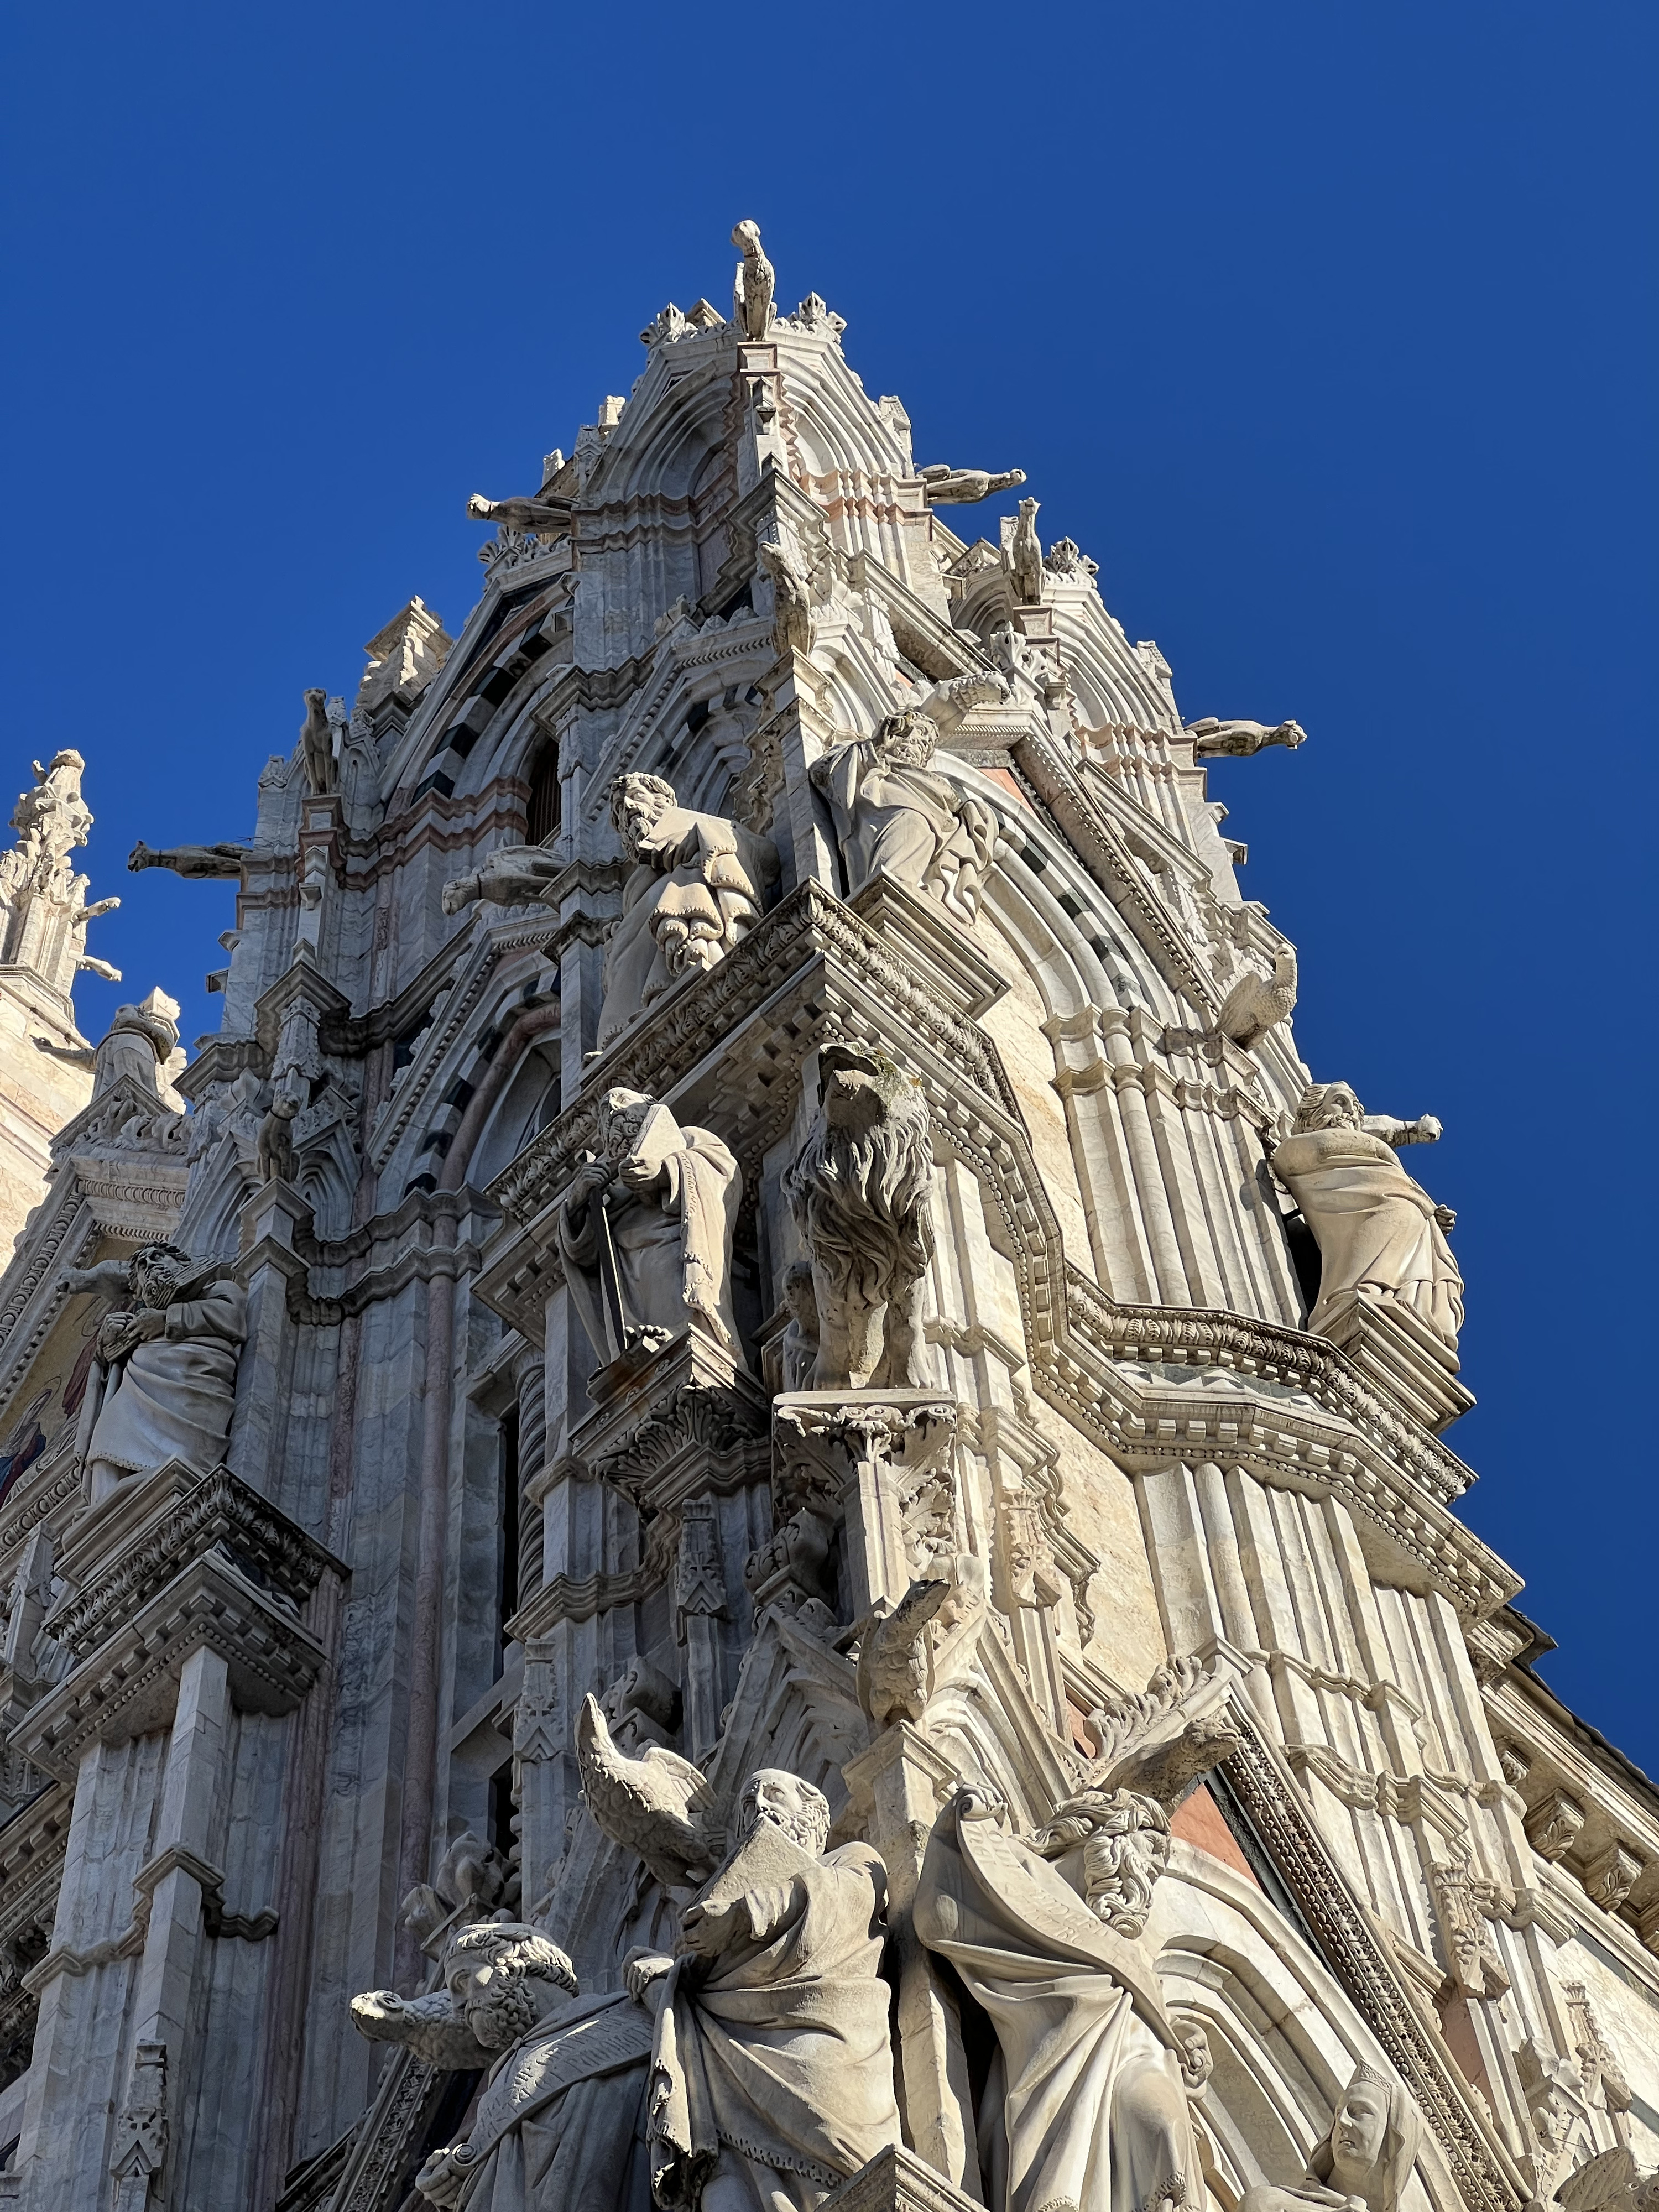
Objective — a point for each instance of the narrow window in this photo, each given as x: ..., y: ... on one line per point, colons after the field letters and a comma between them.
x: 544, y: 797
x: 506, y: 1552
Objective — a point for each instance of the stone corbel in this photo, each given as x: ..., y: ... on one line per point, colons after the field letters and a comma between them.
x: 1611, y: 1876
x: 1553, y: 1824
x: 870, y: 1460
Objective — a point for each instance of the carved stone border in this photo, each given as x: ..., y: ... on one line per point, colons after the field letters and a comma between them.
x: 1356, y: 1954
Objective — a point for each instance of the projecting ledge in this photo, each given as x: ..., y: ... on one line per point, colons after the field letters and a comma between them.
x: 897, y: 2181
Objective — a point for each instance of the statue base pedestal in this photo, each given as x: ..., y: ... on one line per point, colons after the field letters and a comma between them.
x: 1403, y: 1358
x: 897, y: 2181
x: 879, y: 1460
x: 956, y: 970
x: 676, y: 1421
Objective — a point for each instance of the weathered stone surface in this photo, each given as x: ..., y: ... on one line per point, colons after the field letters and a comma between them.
x: 751, y: 1225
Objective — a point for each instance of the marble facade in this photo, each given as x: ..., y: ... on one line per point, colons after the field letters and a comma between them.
x: 741, y: 1502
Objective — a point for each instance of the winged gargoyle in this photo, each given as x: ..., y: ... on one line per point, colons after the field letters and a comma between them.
x: 658, y: 1806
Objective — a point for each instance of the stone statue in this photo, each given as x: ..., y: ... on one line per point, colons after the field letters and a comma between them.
x: 1365, y: 2161
x: 859, y: 1190
x: 694, y: 889
x: 274, y: 1153
x: 559, y: 2125
x: 168, y: 1382
x: 1087, y: 2104
x: 1381, y: 1236
x: 752, y: 295
x: 513, y: 875
x: 317, y: 744
x: 225, y: 859
x: 792, y: 601
x: 1255, y: 1004
x: 142, y: 1045
x: 646, y: 1231
x: 894, y: 816
x: 1022, y: 555
x: 544, y: 516
x: 52, y: 819
x: 1216, y: 740
x: 772, y: 2076
x: 943, y: 485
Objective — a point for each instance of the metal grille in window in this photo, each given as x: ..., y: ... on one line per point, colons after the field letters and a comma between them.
x: 544, y: 797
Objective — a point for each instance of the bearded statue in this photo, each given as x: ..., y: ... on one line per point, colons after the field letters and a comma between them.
x: 1090, y: 2106
x: 895, y: 815
x: 164, y: 1382
x: 558, y: 2127
x: 1125, y: 1839
x: 860, y: 1189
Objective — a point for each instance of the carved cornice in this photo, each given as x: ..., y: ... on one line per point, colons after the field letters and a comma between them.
x: 654, y: 1054
x: 128, y: 1685
x: 222, y: 1513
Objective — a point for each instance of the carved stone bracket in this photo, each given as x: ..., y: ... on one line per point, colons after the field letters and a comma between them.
x: 688, y: 1419
x: 873, y: 1459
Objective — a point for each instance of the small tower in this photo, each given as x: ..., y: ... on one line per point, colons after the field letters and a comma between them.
x: 45, y: 1064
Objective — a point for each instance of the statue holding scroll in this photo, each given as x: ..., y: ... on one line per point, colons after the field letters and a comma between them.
x: 772, y: 2076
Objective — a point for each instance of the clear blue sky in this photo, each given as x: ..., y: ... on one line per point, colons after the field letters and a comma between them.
x: 1326, y: 329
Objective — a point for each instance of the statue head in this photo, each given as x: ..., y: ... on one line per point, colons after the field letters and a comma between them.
x: 505, y: 1976
x: 800, y: 1297
x: 1126, y: 1847
x: 1372, y: 2143
x: 638, y: 803
x: 908, y: 739
x: 802, y: 1813
x: 156, y: 1272
x: 622, y: 1117
x: 1328, y: 1106
x: 746, y: 238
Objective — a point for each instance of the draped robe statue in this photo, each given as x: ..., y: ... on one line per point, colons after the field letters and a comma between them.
x: 646, y: 1231
x: 1365, y: 2160
x: 773, y: 2073
x: 1380, y: 1235
x: 694, y: 889
x: 1087, y: 2107
x: 895, y: 816
x: 169, y: 1368
x: 560, y: 2124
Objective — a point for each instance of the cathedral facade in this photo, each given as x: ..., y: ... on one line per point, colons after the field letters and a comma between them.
x: 742, y: 1502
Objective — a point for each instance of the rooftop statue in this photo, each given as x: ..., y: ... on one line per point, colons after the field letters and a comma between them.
x: 695, y: 888
x: 316, y: 745
x: 646, y: 1231
x: 1366, y: 2159
x: 752, y: 295
x: 53, y: 819
x: 558, y: 2126
x: 164, y: 1376
x: 893, y: 815
x: 1381, y: 1236
x: 44, y: 911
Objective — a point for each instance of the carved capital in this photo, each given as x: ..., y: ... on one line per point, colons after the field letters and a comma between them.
x: 1553, y: 1824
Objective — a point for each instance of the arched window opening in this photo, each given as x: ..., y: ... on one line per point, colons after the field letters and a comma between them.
x: 544, y: 797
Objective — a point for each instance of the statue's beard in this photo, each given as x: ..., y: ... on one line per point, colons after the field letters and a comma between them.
x: 503, y: 2016
x: 1119, y: 1877
x: 798, y: 1827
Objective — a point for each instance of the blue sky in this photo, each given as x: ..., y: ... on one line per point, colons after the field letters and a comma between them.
x: 1326, y: 328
